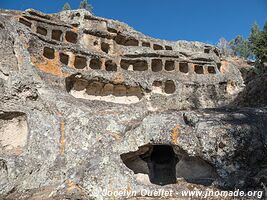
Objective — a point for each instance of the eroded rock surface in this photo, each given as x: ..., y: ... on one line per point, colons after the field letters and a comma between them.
x: 89, y: 104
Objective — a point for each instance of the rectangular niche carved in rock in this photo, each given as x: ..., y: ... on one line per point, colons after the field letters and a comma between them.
x: 157, y: 87
x: 80, y: 62
x: 157, y: 83
x: 111, y: 30
x: 157, y: 47
x: 146, y: 44
x: 13, y: 130
x: 125, y: 64
x: 41, y: 30
x: 25, y: 22
x: 206, y: 50
x: 103, y: 91
x: 169, y: 87
x: 49, y: 53
x: 136, y: 65
x: 169, y: 65
x: 56, y: 35
x: 71, y: 37
x: 126, y: 41
x: 95, y: 63
x: 211, y: 70
x: 168, y: 47
x: 64, y: 58
x: 131, y: 42
x: 140, y: 65
x: 156, y: 65
x: 105, y: 47
x: 110, y: 66
x: 119, y: 90
x: 183, y: 67
x: 199, y: 69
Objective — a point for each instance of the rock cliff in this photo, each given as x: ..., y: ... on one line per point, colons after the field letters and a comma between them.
x: 89, y: 104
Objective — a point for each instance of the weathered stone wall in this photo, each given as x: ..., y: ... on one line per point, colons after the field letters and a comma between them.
x: 89, y: 104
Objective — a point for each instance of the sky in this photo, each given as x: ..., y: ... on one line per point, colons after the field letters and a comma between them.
x: 194, y: 20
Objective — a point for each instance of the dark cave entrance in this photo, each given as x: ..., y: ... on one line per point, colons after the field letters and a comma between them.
x: 162, y: 166
x: 158, y: 161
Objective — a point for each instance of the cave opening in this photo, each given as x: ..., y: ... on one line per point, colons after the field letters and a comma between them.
x: 162, y: 167
x: 165, y: 164
x: 157, y: 161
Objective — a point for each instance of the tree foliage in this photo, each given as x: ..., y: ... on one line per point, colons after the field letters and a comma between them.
x: 85, y: 5
x: 255, y: 47
x: 66, y: 6
x: 254, y: 34
x: 258, y: 41
x: 241, y: 47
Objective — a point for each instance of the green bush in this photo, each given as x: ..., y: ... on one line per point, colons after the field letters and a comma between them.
x: 258, y: 41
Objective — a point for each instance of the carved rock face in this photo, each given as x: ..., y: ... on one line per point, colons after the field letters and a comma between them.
x: 94, y: 105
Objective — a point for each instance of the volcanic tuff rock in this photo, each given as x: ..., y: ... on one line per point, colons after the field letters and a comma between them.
x: 89, y: 104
